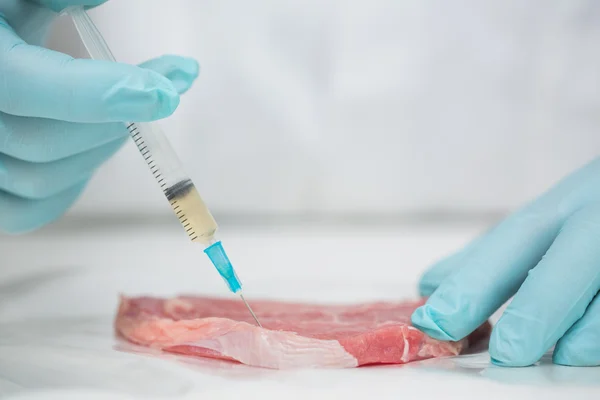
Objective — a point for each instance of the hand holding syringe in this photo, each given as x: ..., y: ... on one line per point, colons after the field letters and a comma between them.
x: 166, y: 168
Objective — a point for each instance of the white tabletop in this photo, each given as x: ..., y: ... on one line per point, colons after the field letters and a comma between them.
x: 60, y: 287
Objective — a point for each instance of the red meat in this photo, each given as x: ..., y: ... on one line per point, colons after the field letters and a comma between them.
x: 293, y: 335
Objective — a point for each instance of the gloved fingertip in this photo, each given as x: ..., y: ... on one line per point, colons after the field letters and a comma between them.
x: 563, y: 358
x: 144, y: 98
x: 577, y: 360
x: 163, y: 94
x: 181, y: 71
x: 502, y: 363
x: 167, y: 104
x: 184, y: 75
x: 425, y: 318
x: 573, y: 355
x: 182, y: 85
x: 189, y: 66
x: 509, y: 349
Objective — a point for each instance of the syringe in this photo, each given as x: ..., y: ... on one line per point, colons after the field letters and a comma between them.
x: 166, y: 168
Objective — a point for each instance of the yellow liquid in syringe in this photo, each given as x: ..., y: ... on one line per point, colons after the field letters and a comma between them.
x: 192, y: 212
x: 201, y: 227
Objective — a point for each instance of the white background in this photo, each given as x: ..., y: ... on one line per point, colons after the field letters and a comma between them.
x: 384, y: 106
x: 324, y: 107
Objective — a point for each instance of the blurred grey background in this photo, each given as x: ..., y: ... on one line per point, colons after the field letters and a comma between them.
x: 358, y: 108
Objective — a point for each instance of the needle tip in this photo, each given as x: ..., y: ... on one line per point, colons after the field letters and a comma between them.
x: 250, y: 309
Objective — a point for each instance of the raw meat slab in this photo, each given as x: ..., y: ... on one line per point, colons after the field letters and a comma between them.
x: 293, y: 335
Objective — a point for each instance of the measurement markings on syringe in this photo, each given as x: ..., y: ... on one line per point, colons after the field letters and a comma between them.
x: 181, y: 195
x: 177, y: 192
x: 139, y: 142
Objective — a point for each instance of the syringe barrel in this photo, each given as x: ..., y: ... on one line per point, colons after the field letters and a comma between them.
x: 165, y: 166
x: 177, y: 187
x: 154, y: 146
x: 158, y: 153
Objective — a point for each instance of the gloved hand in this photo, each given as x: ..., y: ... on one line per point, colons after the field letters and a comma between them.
x: 61, y: 118
x: 548, y: 254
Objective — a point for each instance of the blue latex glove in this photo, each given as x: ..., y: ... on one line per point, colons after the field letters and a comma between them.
x: 548, y: 254
x: 61, y: 118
